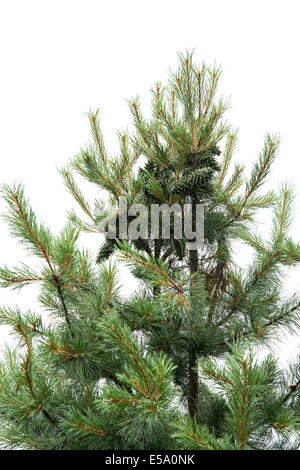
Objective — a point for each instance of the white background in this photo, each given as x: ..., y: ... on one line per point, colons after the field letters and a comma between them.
x: 61, y: 58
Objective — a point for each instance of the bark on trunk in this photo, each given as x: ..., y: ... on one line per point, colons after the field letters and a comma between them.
x: 193, y: 375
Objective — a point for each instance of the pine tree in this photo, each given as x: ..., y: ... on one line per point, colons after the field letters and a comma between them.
x: 174, y: 366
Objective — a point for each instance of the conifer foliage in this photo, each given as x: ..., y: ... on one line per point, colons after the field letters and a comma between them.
x: 175, y: 365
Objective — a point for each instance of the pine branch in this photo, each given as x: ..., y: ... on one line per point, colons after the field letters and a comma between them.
x: 75, y: 191
x: 229, y: 149
x: 156, y: 271
x: 16, y: 320
x: 16, y: 278
x: 293, y: 389
x: 24, y: 226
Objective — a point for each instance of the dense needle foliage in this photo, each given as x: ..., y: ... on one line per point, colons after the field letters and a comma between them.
x: 175, y: 365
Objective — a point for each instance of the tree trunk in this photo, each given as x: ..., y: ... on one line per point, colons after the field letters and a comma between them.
x: 193, y: 384
x: 193, y: 374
